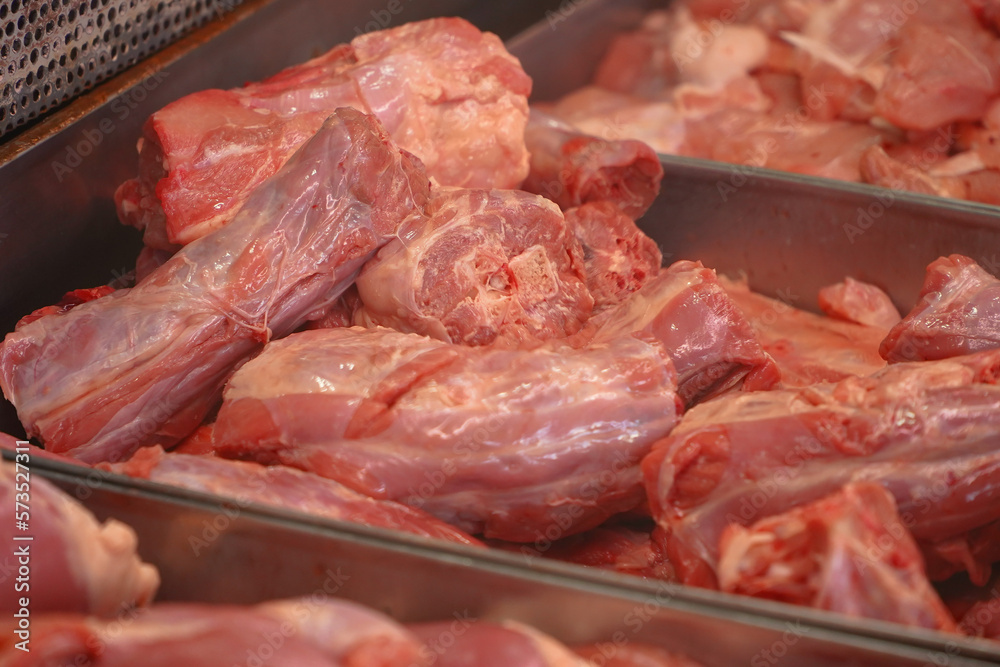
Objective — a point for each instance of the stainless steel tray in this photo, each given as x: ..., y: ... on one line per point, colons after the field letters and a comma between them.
x: 785, y: 231
x: 214, y: 551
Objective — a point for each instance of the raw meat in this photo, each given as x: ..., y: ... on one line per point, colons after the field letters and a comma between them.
x: 572, y: 168
x: 69, y: 301
x: 860, y: 303
x: 958, y: 313
x: 712, y: 345
x: 510, y: 443
x: 848, y: 552
x: 284, y: 487
x: 303, y: 632
x: 926, y: 431
x: 619, y: 548
x: 808, y: 348
x: 445, y: 91
x: 618, y: 257
x: 144, y: 366
x: 489, y: 266
x: 76, y: 564
x: 631, y: 654
x: 468, y: 641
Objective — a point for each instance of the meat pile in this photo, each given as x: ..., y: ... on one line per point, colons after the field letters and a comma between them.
x: 347, y: 308
x: 902, y: 96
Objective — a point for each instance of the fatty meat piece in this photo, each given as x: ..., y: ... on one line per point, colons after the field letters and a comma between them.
x: 144, y: 366
x: 858, y: 302
x: 958, y: 313
x: 494, y: 441
x: 280, y: 486
x: 445, y: 91
x: 489, y: 266
x: 572, y: 168
x: 926, y: 431
x: 848, y: 552
x: 76, y: 564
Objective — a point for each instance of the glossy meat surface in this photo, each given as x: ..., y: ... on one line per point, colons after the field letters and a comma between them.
x: 858, y: 302
x: 848, y: 552
x: 489, y: 266
x: 958, y: 313
x: 710, y: 341
x: 144, y: 366
x: 926, y: 431
x: 503, y: 442
x: 572, y: 168
x: 445, y: 91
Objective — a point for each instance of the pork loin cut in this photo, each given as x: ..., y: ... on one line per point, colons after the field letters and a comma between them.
x: 144, y: 366
x: 510, y: 443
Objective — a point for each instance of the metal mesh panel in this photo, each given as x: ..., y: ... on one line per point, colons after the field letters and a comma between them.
x: 53, y: 50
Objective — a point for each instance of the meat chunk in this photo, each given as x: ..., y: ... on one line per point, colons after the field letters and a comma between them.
x: 77, y: 564
x: 303, y: 632
x: 572, y: 168
x: 848, y: 552
x: 631, y: 654
x: 280, y: 486
x: 808, y: 348
x: 144, y: 366
x: 489, y: 266
x: 860, y: 303
x: 925, y: 431
x: 712, y: 345
x: 502, y: 442
x: 618, y: 256
x: 468, y: 641
x: 445, y: 91
x: 958, y: 313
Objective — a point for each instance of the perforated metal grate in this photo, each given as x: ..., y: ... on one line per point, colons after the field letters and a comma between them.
x: 53, y: 50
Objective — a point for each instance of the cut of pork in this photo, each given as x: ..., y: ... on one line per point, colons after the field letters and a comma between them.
x: 443, y: 89
x: 510, y: 443
x: 490, y: 265
x: 144, y: 366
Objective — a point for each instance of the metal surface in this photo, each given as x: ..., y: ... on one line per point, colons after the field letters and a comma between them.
x: 213, y: 551
x: 53, y: 50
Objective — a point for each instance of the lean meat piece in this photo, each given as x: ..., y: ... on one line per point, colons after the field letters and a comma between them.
x: 860, y: 303
x: 712, y: 345
x: 848, y: 552
x: 618, y: 256
x: 494, y: 441
x: 958, y: 313
x: 468, y: 641
x: 926, y: 431
x: 144, y: 366
x: 631, y: 654
x: 445, y: 91
x: 284, y: 487
x: 302, y: 632
x: 490, y: 265
x: 808, y: 348
x: 572, y: 168
x: 77, y: 564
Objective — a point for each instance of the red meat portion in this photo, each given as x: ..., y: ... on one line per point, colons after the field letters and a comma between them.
x: 502, y: 442
x: 144, y: 366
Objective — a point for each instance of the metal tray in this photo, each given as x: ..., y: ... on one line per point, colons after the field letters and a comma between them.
x: 785, y: 231
x: 214, y: 551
